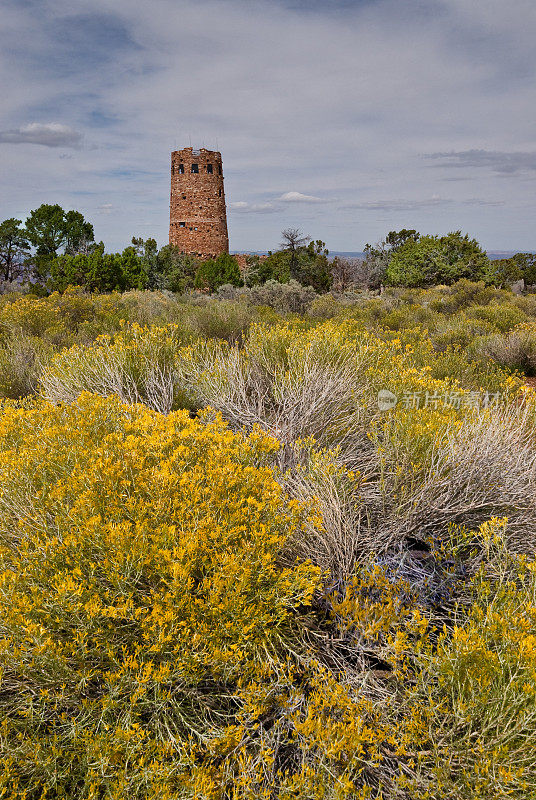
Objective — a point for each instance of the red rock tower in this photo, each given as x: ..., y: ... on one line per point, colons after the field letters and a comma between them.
x: 198, y: 220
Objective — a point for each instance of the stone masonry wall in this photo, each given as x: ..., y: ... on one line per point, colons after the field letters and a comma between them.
x: 198, y: 219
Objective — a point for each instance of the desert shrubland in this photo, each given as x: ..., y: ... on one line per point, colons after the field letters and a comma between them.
x: 164, y: 636
x: 228, y: 571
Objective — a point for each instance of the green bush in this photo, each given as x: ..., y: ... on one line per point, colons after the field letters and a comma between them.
x: 431, y: 260
x: 460, y: 331
x: 215, y: 272
x: 503, y: 317
x: 221, y: 319
x: 465, y: 293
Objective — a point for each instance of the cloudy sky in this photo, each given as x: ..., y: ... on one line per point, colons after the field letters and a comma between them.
x: 345, y: 118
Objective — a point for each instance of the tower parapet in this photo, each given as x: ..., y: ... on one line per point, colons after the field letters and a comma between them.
x: 198, y: 219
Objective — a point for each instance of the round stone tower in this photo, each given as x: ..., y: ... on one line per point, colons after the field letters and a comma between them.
x: 198, y: 220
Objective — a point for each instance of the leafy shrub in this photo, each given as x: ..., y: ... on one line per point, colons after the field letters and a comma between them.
x: 431, y: 260
x: 216, y: 272
x: 282, y: 297
x: 472, y: 371
x: 503, y: 317
x: 325, y: 307
x: 460, y: 331
x: 222, y: 319
x: 150, y: 308
x: 465, y: 293
x: 475, y: 702
x: 407, y: 316
x: 32, y: 316
x: 98, y: 271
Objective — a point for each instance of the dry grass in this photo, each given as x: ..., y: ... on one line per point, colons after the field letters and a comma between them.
x: 484, y: 468
x: 515, y: 350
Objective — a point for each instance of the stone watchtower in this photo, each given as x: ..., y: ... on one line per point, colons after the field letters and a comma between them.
x: 198, y: 220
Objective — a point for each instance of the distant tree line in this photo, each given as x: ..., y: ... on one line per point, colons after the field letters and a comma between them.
x: 55, y: 248
x: 407, y: 258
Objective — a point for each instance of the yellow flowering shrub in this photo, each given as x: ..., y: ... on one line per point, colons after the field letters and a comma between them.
x: 77, y: 316
x: 140, y: 594
x: 295, y: 381
x: 137, y: 364
x: 295, y: 595
x: 61, y: 319
x: 473, y: 699
x: 456, y: 710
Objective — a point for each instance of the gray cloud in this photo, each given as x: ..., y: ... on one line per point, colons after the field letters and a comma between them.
x: 275, y: 205
x: 298, y: 197
x: 397, y: 205
x: 402, y: 79
x: 413, y: 205
x: 496, y: 160
x: 51, y: 134
x: 253, y: 208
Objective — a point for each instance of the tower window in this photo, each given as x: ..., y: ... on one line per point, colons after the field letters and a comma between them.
x: 209, y: 169
x: 195, y: 168
x: 219, y: 193
x: 220, y: 170
x: 181, y: 169
x: 182, y: 224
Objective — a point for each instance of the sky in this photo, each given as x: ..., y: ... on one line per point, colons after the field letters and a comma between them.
x: 343, y: 118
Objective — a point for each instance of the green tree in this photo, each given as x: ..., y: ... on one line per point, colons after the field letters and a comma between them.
x: 215, y: 272
x: 313, y: 268
x: 94, y: 271
x: 504, y: 271
x: 293, y: 244
x: 147, y: 251
x: 298, y: 259
x: 14, y: 248
x: 79, y: 233
x: 431, y: 260
x: 50, y: 228
x: 277, y: 267
x: 302, y: 260
x: 527, y: 263
x: 464, y: 258
x: 133, y: 269
x: 258, y: 270
x: 98, y: 271
x: 395, y: 239
x: 378, y: 256
x: 45, y: 228
x: 175, y: 270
